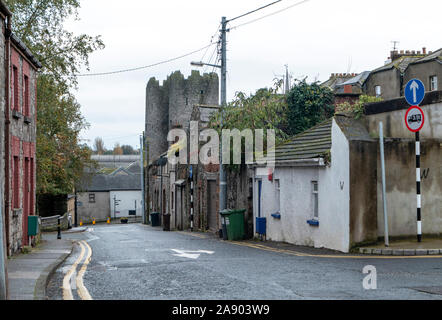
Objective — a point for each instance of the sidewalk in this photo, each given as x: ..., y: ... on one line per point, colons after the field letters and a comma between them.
x: 428, y: 246
x: 29, y: 273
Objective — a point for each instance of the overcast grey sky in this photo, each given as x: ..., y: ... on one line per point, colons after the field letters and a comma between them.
x: 315, y: 39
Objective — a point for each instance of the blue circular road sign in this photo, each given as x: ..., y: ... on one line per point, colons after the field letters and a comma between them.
x: 414, y: 92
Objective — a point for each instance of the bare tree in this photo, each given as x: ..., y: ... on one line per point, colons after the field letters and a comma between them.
x: 99, y: 146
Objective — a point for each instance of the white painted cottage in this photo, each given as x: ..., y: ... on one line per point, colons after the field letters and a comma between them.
x: 322, y: 192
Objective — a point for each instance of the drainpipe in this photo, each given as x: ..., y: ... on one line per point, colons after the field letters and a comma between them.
x: 5, y: 237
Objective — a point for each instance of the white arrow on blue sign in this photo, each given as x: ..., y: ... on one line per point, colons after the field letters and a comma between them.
x: 414, y: 92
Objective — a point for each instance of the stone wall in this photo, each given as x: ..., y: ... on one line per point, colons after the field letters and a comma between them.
x: 400, y: 164
x: 2, y: 132
x: 240, y: 194
x: 400, y: 161
x: 170, y: 105
x: 363, y: 193
x: 392, y: 115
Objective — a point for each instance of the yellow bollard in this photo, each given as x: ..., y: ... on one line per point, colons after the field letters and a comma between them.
x: 81, y: 223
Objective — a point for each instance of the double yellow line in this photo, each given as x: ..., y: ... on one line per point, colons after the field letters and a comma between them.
x: 81, y: 289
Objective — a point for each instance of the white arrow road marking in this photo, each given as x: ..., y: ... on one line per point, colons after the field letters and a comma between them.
x: 90, y: 236
x: 190, y: 254
x: 414, y: 86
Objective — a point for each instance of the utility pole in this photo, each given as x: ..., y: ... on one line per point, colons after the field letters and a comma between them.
x: 222, y: 173
x: 75, y: 208
x: 142, y: 177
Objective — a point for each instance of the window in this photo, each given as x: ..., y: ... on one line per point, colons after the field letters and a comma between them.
x: 16, y: 181
x: 26, y: 97
x: 32, y: 187
x: 15, y: 100
x: 433, y: 83
x: 378, y: 91
x: 315, y: 199
x: 278, y: 195
x: 91, y: 197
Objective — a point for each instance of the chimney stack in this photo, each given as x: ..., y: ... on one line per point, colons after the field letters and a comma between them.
x: 424, y: 50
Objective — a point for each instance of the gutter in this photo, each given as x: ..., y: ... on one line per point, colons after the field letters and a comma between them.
x: 313, y: 162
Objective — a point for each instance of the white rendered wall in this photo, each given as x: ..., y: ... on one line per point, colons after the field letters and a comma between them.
x: 127, y: 202
x: 296, y: 200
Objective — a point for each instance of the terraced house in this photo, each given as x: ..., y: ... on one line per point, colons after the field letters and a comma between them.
x: 18, y: 134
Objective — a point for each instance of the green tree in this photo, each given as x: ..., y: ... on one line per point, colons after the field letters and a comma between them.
x: 128, y: 150
x: 266, y: 109
x: 356, y: 109
x: 308, y: 104
x: 40, y: 25
x: 61, y: 157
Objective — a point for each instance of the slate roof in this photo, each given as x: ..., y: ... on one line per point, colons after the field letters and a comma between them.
x: 312, y: 143
x: 401, y: 64
x: 115, y: 161
x: 104, y: 182
x: 335, y: 80
x: 436, y: 55
x: 358, y: 80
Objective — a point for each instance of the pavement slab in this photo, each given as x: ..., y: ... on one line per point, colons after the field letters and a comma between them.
x: 28, y: 273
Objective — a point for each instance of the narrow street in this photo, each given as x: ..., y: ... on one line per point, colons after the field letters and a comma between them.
x: 134, y: 262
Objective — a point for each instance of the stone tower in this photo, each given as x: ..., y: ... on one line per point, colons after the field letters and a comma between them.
x: 170, y: 105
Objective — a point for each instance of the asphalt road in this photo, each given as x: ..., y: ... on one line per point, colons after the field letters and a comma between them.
x: 138, y: 262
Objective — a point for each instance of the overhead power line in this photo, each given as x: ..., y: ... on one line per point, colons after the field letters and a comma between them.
x: 250, y: 12
x: 145, y: 67
x: 268, y: 15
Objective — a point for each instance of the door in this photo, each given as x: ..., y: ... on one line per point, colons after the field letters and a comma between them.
x: 259, y: 184
x: 212, y: 221
x: 26, y: 198
x: 179, y: 208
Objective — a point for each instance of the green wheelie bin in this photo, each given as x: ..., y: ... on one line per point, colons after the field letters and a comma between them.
x: 234, y: 220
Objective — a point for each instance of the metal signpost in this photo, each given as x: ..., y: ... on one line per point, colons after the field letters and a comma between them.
x: 414, y: 120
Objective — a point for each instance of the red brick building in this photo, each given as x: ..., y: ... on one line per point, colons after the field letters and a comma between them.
x: 19, y: 130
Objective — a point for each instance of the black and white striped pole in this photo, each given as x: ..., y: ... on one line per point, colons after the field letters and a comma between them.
x: 414, y: 93
x: 191, y: 197
x: 418, y: 188
x: 414, y: 120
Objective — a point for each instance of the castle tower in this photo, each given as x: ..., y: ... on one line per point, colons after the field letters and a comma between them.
x: 170, y: 105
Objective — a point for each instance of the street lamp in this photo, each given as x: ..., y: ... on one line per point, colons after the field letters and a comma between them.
x: 202, y: 64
